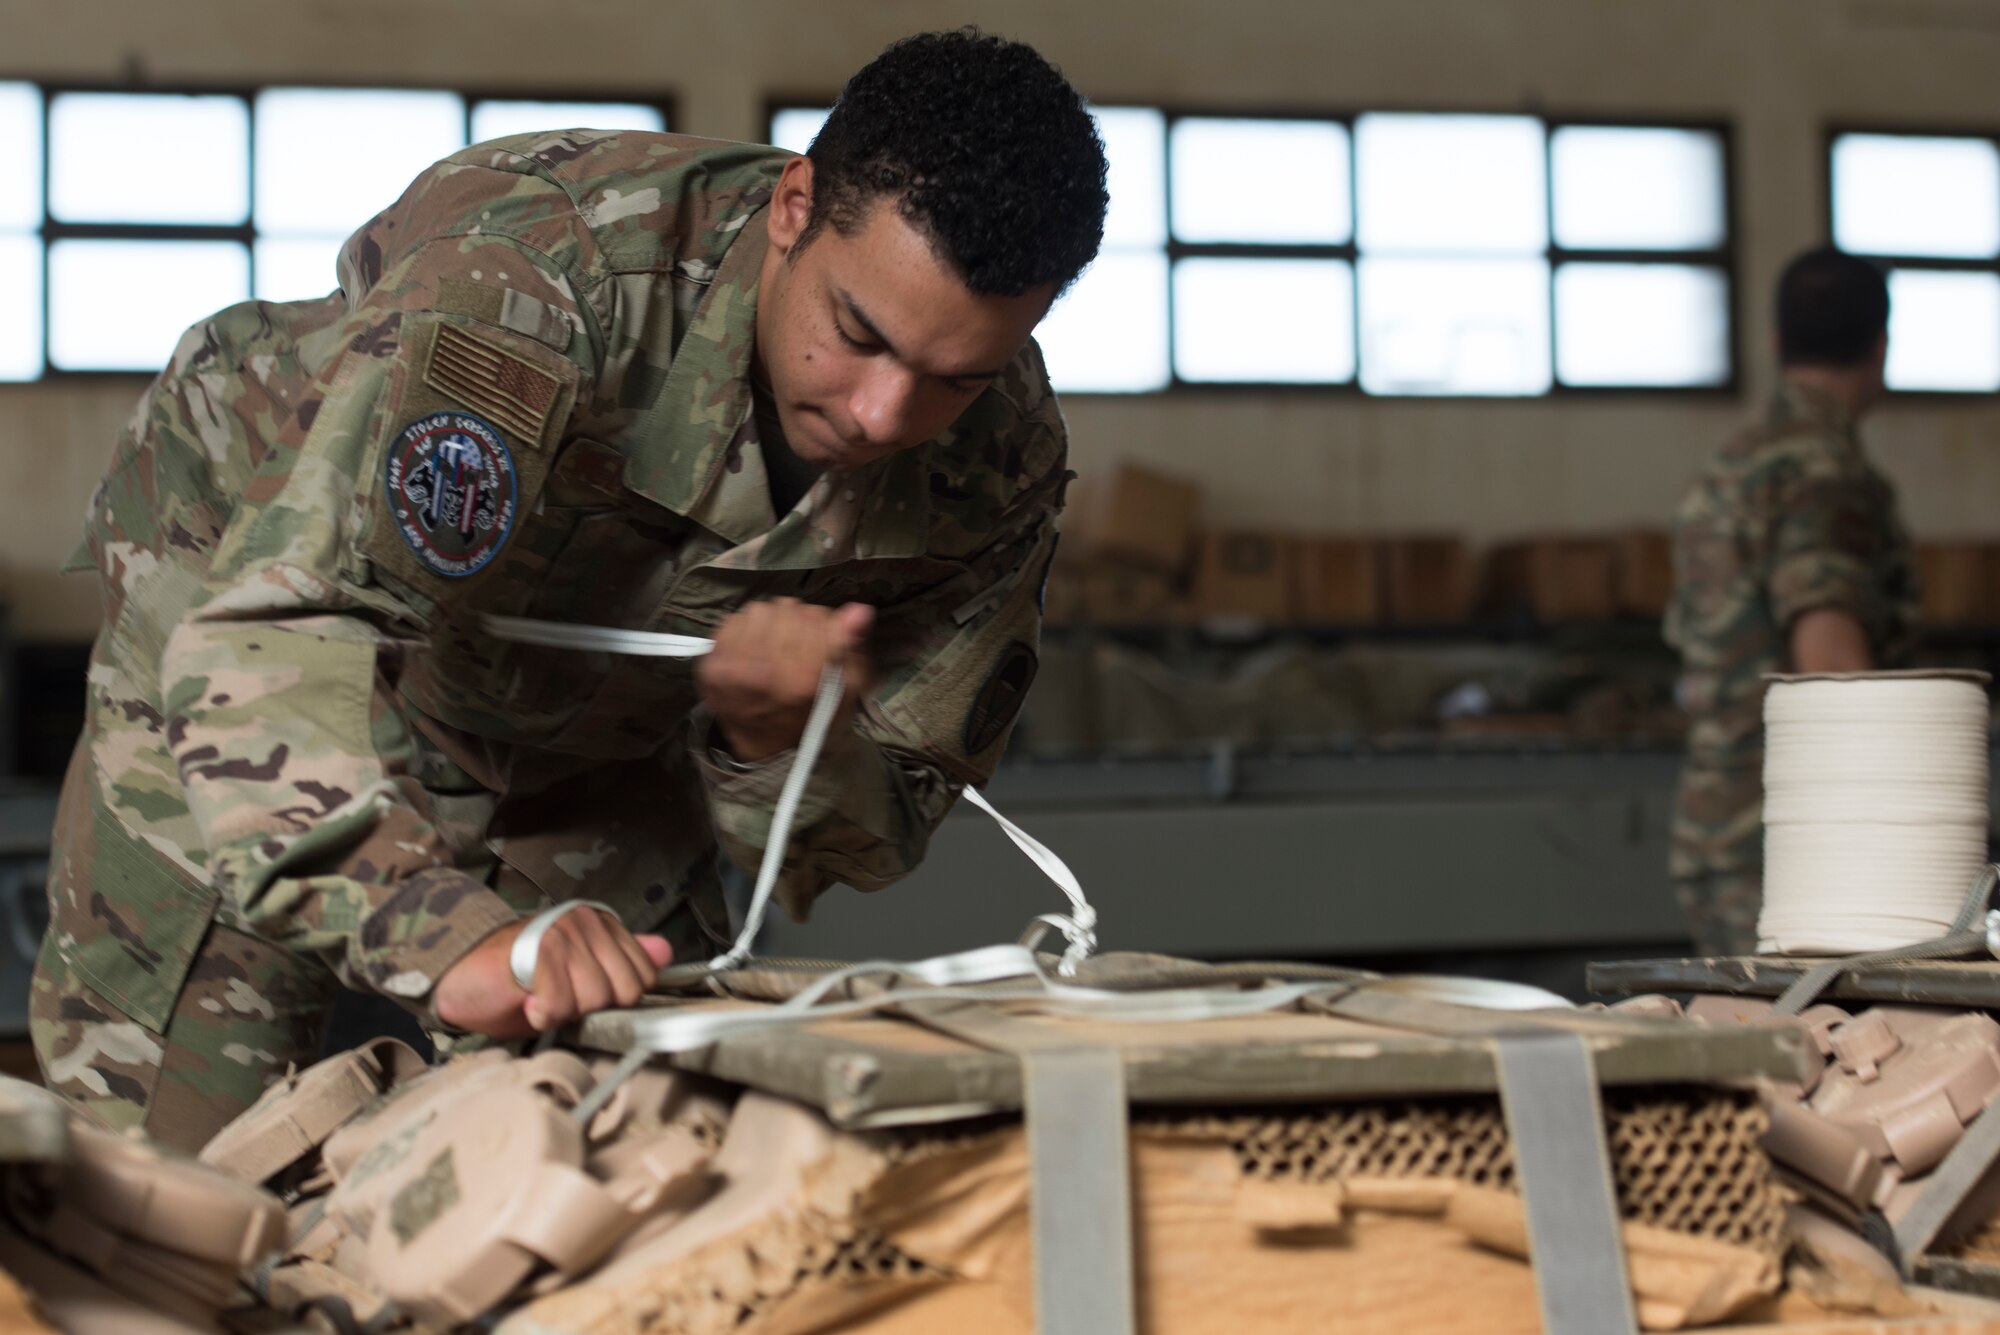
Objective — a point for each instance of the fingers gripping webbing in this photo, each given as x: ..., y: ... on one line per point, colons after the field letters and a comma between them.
x: 826, y: 703
x: 1078, y: 926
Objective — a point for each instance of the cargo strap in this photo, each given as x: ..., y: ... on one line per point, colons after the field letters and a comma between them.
x: 1947, y: 1188
x: 1975, y: 930
x: 1080, y: 1191
x: 1548, y: 1091
x: 1080, y: 1168
x: 1079, y: 1165
x: 526, y: 951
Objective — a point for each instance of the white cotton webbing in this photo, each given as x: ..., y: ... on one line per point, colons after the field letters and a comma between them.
x: 826, y: 703
x: 1077, y: 926
x: 1875, y: 808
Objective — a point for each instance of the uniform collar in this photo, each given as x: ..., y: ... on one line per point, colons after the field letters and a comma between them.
x: 879, y: 510
x: 1803, y: 403
x: 701, y: 457
x: 705, y: 405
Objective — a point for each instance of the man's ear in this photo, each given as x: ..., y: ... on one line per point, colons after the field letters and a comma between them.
x: 791, y: 203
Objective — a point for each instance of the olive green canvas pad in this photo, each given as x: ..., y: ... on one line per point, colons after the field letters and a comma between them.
x: 919, y: 1061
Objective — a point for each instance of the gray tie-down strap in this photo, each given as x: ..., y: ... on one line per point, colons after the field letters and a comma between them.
x: 1975, y: 931
x: 1548, y: 1090
x: 1079, y: 1165
x: 1080, y: 1191
x: 1947, y: 1188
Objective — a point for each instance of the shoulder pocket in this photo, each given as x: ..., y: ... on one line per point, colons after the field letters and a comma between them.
x: 473, y: 417
x: 136, y: 918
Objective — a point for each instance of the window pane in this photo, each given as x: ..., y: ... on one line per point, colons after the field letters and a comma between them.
x: 1944, y: 331
x: 21, y: 152
x: 1641, y: 324
x: 1905, y: 195
x: 20, y: 307
x: 108, y: 161
x: 1109, y: 332
x: 1451, y: 183
x: 295, y: 268
x: 1135, y: 152
x: 794, y: 127
x: 493, y: 119
x: 1268, y: 320
x: 1620, y: 188
x: 1296, y: 174
x: 1454, y: 326
x: 379, y: 139
x: 122, y: 305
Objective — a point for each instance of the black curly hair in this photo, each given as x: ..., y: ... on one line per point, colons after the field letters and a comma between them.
x: 985, y: 148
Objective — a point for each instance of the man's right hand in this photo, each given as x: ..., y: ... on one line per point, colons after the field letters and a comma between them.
x: 587, y: 961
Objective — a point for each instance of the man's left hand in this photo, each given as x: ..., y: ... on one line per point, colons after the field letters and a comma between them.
x: 760, y: 679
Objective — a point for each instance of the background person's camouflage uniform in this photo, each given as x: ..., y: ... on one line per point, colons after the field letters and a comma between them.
x: 1787, y: 518
x: 305, y: 763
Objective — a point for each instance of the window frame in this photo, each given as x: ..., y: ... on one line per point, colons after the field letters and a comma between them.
x: 1724, y: 258
x: 1833, y: 132
x: 245, y: 233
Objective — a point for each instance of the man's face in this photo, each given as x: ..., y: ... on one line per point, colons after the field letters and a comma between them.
x: 870, y: 343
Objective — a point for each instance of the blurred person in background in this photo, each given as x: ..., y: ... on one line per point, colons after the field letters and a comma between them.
x: 1789, y: 556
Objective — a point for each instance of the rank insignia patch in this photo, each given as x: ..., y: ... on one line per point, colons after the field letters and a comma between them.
x: 452, y: 491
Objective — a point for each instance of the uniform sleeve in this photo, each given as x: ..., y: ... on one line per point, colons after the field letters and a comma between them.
x: 284, y: 720
x: 1826, y: 548
x: 940, y: 720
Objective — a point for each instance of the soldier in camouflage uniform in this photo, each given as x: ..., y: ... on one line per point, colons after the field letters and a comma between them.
x: 1789, y: 556
x: 620, y: 379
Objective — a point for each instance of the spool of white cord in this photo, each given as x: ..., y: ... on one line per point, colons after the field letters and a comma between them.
x: 1875, y: 808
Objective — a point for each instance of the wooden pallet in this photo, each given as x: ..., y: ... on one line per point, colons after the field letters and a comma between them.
x: 1967, y: 983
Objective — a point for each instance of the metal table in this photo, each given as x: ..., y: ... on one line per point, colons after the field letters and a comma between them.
x: 1335, y: 854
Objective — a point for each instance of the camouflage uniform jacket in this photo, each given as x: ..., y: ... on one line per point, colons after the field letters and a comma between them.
x: 1787, y: 518
x: 530, y: 397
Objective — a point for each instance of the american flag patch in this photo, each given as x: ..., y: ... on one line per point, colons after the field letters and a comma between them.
x: 508, y: 390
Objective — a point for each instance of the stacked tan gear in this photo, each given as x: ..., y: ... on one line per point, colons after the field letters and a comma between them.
x: 432, y: 1196
x: 1901, y: 1130
x: 1315, y: 1153
x: 1892, y: 1093
x: 112, y: 1235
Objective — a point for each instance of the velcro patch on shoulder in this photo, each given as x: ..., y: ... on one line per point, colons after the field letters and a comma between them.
x: 503, y: 387
x: 1000, y: 698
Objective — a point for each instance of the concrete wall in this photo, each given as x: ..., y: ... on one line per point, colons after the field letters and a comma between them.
x: 1780, y: 70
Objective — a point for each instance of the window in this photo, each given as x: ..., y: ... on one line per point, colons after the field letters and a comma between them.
x: 1109, y: 332
x: 1640, y: 219
x: 1928, y: 208
x: 1400, y: 254
x: 129, y: 247
x: 381, y: 140
x: 20, y: 233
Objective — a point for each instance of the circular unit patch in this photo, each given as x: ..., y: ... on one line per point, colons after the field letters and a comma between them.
x: 452, y: 490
